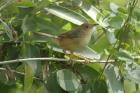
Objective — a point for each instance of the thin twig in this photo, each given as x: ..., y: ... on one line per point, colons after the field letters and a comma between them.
x: 21, y: 73
x: 53, y: 60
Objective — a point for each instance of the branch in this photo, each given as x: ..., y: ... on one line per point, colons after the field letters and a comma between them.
x: 21, y: 73
x: 55, y: 60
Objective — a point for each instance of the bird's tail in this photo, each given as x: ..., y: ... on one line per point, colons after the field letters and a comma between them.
x: 53, y: 38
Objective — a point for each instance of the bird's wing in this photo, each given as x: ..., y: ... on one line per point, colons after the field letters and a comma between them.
x: 45, y: 34
x: 70, y: 34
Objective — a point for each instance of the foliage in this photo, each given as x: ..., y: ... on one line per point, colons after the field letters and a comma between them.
x: 117, y: 38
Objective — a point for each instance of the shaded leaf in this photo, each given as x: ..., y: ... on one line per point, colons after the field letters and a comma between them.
x: 29, y: 51
x: 3, y: 78
x: 67, y: 80
x: 137, y: 91
x: 52, y: 84
x: 84, y: 88
x: 26, y: 4
x: 87, y: 73
x: 25, y: 10
x: 83, y: 52
x: 7, y: 30
x: 28, y: 24
x: 92, y: 87
x: 5, y: 4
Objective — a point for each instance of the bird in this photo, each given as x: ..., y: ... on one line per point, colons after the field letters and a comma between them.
x: 74, y: 39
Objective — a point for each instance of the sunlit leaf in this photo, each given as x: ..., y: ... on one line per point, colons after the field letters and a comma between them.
x: 94, y: 13
x: 129, y: 86
x: 113, y: 80
x: 84, y: 88
x: 28, y: 78
x: 111, y: 37
x: 138, y: 27
x: 126, y: 56
x: 116, y: 22
x: 133, y: 72
x: 99, y: 18
x: 66, y: 14
x: 114, y: 7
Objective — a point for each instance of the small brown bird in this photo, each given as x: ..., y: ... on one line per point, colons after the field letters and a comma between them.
x: 74, y: 39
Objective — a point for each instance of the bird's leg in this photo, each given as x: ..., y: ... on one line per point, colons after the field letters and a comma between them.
x: 86, y: 61
x: 70, y: 56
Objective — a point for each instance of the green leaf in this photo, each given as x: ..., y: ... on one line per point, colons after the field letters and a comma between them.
x: 85, y: 52
x: 67, y: 80
x: 28, y: 78
x: 3, y: 78
x: 96, y: 67
x: 138, y: 27
x: 125, y: 55
x: 28, y: 24
x: 111, y: 37
x: 116, y: 22
x: 101, y: 44
x: 113, y: 80
x: 7, y: 30
x: 84, y: 88
x: 52, y: 84
x: 99, y: 18
x: 130, y: 87
x: 92, y: 87
x: 26, y: 4
x: 24, y: 10
x: 66, y: 14
x: 29, y: 51
x: 132, y: 72
x: 94, y: 13
x: 87, y: 73
x: 137, y: 91
x: 114, y: 7
x: 5, y: 4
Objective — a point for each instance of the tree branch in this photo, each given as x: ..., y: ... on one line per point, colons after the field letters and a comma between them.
x: 54, y: 59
